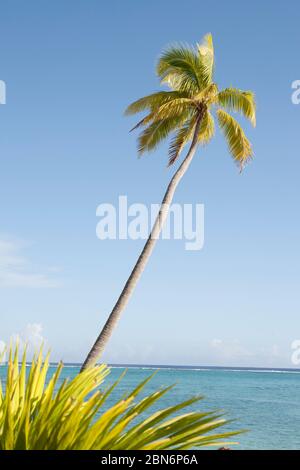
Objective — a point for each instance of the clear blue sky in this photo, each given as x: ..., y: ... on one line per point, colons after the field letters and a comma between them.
x: 71, y: 68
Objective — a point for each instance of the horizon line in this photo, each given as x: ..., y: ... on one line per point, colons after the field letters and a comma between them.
x: 178, y: 366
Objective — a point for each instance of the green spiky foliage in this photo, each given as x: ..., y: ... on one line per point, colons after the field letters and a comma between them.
x: 189, y: 74
x: 36, y: 413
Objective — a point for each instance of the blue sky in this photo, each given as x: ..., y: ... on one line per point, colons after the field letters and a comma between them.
x: 70, y: 69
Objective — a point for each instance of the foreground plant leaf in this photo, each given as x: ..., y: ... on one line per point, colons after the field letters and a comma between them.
x: 40, y: 414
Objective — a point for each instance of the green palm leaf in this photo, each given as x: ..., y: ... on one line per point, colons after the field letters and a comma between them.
x: 179, y: 68
x: 240, y: 101
x: 207, y: 128
x: 180, y: 139
x: 239, y: 145
x: 154, y: 101
x: 185, y: 134
x: 157, y: 131
x: 206, y: 60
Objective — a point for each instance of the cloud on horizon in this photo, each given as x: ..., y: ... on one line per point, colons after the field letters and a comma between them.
x: 31, y: 336
x: 233, y: 352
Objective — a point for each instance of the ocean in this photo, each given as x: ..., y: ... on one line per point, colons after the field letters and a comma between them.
x: 265, y: 402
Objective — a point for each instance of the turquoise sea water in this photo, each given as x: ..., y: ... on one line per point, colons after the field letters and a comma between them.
x: 267, y: 403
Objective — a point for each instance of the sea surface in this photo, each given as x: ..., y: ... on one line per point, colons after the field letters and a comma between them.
x: 265, y: 402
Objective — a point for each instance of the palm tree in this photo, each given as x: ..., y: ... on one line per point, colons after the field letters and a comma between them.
x: 185, y: 111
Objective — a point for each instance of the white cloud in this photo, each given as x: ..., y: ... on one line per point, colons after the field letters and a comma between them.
x: 31, y: 336
x: 231, y: 349
x: 232, y: 352
x: 16, y: 270
x: 216, y: 343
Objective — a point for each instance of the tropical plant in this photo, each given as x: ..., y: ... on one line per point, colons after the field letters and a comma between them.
x: 186, y: 111
x: 40, y: 414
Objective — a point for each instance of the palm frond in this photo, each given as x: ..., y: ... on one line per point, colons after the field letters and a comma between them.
x: 174, y: 108
x: 180, y: 139
x: 207, y: 128
x: 239, y: 146
x: 207, y: 94
x: 185, y: 134
x: 153, y: 102
x: 206, y: 60
x: 143, y: 122
x: 179, y: 68
x: 157, y: 131
x: 233, y: 99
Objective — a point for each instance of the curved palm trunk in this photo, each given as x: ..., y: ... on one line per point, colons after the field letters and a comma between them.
x: 139, y: 267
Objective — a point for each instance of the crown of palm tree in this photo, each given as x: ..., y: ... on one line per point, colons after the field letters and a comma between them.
x: 188, y: 72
